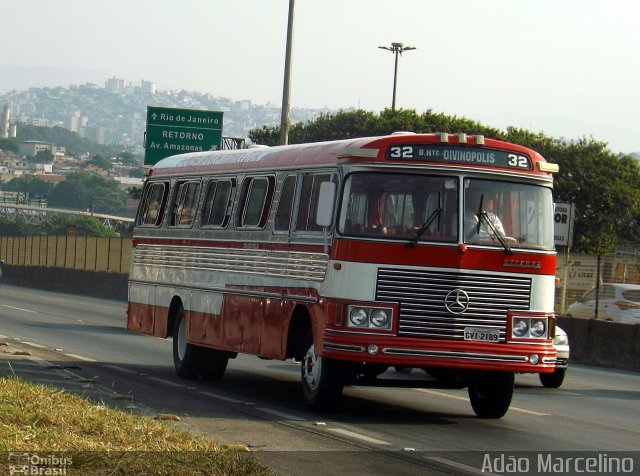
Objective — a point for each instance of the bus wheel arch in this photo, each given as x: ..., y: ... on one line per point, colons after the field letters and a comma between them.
x: 299, y: 327
x: 174, y: 308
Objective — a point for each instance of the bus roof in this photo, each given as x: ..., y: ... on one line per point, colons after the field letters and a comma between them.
x: 439, y: 149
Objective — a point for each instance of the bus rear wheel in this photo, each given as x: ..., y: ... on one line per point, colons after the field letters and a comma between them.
x: 322, y: 379
x: 490, y: 393
x: 213, y: 364
x: 185, y: 356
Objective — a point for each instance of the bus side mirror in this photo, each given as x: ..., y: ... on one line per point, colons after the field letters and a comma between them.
x: 326, y: 201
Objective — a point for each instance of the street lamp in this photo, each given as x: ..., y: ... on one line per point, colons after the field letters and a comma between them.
x: 397, y: 49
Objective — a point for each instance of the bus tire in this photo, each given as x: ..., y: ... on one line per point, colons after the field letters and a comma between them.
x: 490, y: 393
x: 185, y: 356
x: 213, y: 364
x: 322, y: 379
x: 553, y: 380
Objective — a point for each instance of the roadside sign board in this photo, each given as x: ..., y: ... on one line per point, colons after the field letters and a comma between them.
x: 563, y: 215
x: 173, y: 131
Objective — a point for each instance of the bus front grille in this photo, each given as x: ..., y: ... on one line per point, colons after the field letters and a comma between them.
x: 439, y: 305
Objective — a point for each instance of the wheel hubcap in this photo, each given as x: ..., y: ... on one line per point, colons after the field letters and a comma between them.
x: 182, y: 341
x: 312, y: 366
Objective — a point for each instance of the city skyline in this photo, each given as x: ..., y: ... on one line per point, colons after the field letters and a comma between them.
x: 568, y: 69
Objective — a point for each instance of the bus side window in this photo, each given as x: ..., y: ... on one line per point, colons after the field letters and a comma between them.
x: 154, y: 202
x: 255, y: 201
x: 185, y: 203
x: 306, y: 220
x: 217, y: 209
x: 285, y: 204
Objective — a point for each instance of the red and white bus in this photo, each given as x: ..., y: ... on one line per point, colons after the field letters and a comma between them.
x: 353, y: 257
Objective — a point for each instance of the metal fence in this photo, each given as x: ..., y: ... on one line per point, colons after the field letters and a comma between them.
x: 576, y: 274
x: 73, y: 252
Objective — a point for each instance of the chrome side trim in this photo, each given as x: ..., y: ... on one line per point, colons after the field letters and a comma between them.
x: 344, y: 348
x: 287, y: 264
x: 457, y: 355
x: 352, y: 332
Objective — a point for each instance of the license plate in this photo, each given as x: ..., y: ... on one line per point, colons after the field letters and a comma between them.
x: 481, y: 334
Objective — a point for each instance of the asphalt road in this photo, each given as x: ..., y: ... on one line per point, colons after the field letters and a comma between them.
x: 81, y: 344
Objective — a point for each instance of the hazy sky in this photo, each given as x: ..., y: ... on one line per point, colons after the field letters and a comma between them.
x: 568, y: 68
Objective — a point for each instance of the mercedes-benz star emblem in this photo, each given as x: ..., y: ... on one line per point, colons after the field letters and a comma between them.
x: 457, y: 301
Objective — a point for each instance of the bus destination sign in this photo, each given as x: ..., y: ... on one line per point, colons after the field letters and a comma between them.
x: 456, y: 155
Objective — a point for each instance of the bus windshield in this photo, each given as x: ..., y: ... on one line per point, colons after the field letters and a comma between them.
x: 398, y: 206
x: 516, y: 213
x: 425, y: 208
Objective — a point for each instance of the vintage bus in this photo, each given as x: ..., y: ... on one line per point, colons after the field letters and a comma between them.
x: 354, y: 257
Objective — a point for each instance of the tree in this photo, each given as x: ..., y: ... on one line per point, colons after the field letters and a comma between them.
x: 604, y: 187
x: 84, y: 226
x: 42, y: 157
x: 87, y: 191
x: 129, y: 159
x: 101, y: 162
x: 10, y: 144
x: 28, y: 186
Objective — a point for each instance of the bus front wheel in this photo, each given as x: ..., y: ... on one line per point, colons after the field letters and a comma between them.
x: 185, y: 355
x: 322, y: 379
x: 490, y: 393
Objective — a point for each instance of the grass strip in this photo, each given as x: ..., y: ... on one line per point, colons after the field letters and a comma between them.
x: 58, y: 426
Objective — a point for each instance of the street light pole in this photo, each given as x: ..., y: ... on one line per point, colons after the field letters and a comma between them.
x: 397, y: 49
x: 286, y: 88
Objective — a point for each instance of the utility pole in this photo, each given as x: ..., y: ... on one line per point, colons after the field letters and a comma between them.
x: 286, y: 88
x: 397, y: 49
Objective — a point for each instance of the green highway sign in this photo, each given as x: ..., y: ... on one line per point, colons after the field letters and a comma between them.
x: 173, y: 131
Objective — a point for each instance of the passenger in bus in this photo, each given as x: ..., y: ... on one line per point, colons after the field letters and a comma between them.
x: 381, y: 218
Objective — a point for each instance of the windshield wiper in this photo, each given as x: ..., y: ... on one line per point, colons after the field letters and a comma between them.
x: 484, y: 217
x: 435, y: 214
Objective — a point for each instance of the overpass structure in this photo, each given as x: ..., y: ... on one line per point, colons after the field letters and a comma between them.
x: 38, y: 215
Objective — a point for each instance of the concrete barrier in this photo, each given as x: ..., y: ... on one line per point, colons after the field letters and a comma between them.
x: 75, y: 281
x: 602, y: 343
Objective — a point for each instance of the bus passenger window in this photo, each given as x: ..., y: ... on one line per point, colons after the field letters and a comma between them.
x: 154, y: 200
x: 285, y: 204
x: 257, y: 193
x: 185, y: 203
x: 216, y: 208
x: 307, y: 209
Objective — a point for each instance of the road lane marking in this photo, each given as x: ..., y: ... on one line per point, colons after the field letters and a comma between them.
x: 122, y: 369
x: 283, y: 415
x: 19, y: 309
x: 456, y: 397
x: 220, y: 397
x: 33, y: 344
x: 167, y: 382
x: 358, y: 436
x: 81, y: 357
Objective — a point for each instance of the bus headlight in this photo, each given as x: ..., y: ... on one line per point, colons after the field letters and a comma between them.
x: 538, y: 328
x: 358, y: 317
x: 370, y: 317
x: 529, y: 327
x: 520, y: 328
x: 379, y: 318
